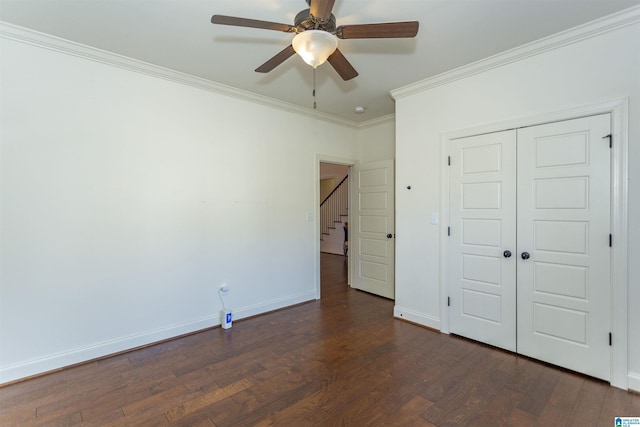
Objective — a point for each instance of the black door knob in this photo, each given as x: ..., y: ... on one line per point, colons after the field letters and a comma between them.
x: 389, y: 236
x: 525, y: 255
x: 507, y: 254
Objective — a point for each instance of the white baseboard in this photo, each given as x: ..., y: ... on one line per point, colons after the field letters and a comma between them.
x: 79, y: 355
x: 634, y: 381
x: 275, y: 304
x: 60, y: 360
x: 417, y: 317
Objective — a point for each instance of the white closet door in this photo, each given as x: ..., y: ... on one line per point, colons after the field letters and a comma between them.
x: 564, y: 225
x: 483, y: 226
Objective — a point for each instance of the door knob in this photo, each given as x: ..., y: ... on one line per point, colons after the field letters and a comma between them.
x: 389, y: 236
x: 525, y: 255
x: 507, y: 254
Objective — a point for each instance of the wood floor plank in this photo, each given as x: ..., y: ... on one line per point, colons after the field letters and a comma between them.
x: 157, y: 404
x: 101, y: 417
x: 112, y: 401
x: 410, y: 414
x: 614, y: 405
x: 263, y: 407
x: 349, y: 385
x: 498, y: 410
x: 340, y: 360
x: 536, y: 398
x: 589, y: 403
x: 563, y: 398
x: 194, y: 405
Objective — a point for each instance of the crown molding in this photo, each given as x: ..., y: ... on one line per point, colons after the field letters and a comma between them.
x: 67, y: 47
x: 377, y: 121
x: 591, y: 29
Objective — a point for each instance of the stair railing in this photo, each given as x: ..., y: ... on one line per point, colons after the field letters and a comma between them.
x: 334, y: 206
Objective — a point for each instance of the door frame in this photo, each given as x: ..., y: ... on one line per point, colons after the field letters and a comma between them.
x: 323, y: 158
x: 618, y: 108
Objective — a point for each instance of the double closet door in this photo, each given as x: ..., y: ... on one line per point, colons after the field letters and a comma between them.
x: 530, y: 254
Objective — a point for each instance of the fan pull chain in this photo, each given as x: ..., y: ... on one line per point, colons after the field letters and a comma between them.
x: 314, y: 88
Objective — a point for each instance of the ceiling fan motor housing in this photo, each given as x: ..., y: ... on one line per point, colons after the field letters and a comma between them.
x: 303, y: 22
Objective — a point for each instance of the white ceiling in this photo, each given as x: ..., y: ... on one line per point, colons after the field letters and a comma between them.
x: 177, y: 34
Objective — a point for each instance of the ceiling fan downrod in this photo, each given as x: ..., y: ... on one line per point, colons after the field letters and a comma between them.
x: 314, y: 88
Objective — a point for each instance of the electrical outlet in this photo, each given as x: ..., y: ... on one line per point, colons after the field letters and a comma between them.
x: 224, y: 289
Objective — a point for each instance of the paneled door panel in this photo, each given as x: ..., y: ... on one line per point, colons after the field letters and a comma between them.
x: 564, y: 224
x: 483, y: 226
x: 372, y: 223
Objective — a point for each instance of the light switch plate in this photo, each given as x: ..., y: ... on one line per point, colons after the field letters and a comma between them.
x: 434, y: 218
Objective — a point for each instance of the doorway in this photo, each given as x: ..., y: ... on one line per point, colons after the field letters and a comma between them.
x: 330, y: 237
x: 370, y: 256
x: 334, y: 207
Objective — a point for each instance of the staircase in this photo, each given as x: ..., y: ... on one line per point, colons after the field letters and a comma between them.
x: 333, y: 213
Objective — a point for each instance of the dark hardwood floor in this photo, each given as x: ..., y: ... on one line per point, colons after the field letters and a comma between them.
x: 342, y: 360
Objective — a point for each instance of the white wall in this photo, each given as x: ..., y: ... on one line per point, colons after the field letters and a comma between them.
x: 126, y: 200
x: 376, y: 139
x: 333, y: 171
x: 333, y: 243
x: 591, y: 70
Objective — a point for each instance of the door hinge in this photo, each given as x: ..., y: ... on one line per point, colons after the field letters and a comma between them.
x: 448, y: 231
x: 610, y: 240
x: 610, y: 339
x: 448, y: 301
x: 448, y: 160
x: 610, y: 137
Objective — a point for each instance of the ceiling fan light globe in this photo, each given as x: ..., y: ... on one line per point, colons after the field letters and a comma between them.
x: 314, y: 46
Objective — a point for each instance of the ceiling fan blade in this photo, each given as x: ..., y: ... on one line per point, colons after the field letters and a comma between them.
x: 321, y: 9
x: 251, y: 23
x: 342, y: 66
x: 278, y: 59
x: 378, y: 31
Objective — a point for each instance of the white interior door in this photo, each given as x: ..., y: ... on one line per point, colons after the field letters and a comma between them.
x: 564, y: 225
x: 371, y: 240
x: 483, y: 227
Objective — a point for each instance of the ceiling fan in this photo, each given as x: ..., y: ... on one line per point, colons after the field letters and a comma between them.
x: 316, y: 36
